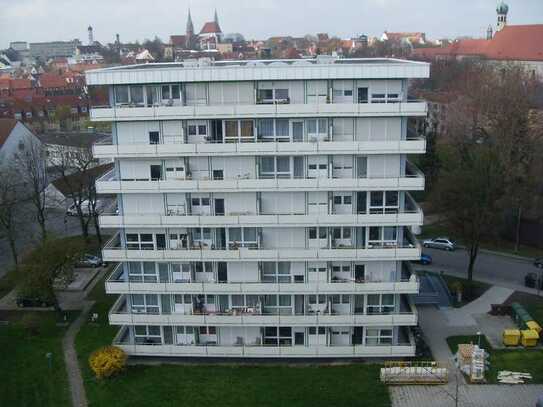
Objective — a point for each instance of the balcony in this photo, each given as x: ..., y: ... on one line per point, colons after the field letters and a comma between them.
x: 106, y: 149
x: 131, y: 113
x: 405, y: 347
x: 411, y: 214
x: 409, y: 250
x: 258, y: 316
x: 118, y: 282
x: 110, y: 183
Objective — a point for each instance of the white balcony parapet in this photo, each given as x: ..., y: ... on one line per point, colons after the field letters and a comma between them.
x: 411, y: 252
x: 405, y: 108
x: 404, y: 218
x: 410, y: 146
x: 110, y: 184
x: 261, y: 351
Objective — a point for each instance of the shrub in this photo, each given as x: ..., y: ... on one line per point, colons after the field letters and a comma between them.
x: 107, y: 361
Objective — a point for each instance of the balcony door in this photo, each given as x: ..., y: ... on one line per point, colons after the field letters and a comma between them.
x: 362, y: 95
x: 297, y: 131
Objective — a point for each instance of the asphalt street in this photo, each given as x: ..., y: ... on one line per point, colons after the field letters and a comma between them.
x: 489, y: 267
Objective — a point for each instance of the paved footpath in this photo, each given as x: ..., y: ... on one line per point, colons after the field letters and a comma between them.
x: 75, y: 379
x: 468, y: 396
x: 439, y: 324
x: 77, y: 388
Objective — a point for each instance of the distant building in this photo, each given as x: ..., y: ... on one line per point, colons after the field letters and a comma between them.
x: 47, y: 50
x: 15, y: 138
x: 18, y: 46
x: 511, y: 43
x: 409, y: 38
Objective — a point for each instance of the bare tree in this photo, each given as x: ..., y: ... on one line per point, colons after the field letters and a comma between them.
x: 32, y: 180
x: 10, y: 211
x: 74, y: 165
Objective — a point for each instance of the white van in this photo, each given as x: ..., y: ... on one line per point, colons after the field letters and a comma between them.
x: 85, y: 208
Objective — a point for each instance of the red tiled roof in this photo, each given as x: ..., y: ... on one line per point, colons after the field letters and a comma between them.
x: 49, y: 80
x: 20, y: 84
x: 178, y: 40
x: 512, y: 43
x: 6, y: 126
x: 210, y: 27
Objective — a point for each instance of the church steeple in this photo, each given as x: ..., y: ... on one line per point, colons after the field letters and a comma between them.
x: 190, y: 26
x: 216, y: 17
x: 502, y: 9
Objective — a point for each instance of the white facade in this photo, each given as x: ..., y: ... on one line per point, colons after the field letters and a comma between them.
x: 263, y: 207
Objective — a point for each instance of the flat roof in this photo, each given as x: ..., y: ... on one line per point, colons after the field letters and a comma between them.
x: 207, y: 70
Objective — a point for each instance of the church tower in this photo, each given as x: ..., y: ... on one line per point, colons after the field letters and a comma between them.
x: 189, y: 32
x: 489, y: 32
x: 502, y: 9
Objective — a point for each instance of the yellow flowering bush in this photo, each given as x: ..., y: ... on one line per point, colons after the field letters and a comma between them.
x: 107, y: 361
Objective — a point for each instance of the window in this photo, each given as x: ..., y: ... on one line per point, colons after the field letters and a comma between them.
x: 207, y: 330
x: 154, y: 137
x: 277, y: 304
x: 275, y: 167
x: 384, y: 202
x: 242, y: 237
x: 142, y: 272
x: 171, y: 93
x: 136, y: 95
x: 121, y: 95
x: 144, y: 303
x: 375, y: 336
x: 281, y: 336
x: 141, y: 241
x: 380, y: 304
x: 238, y: 131
x: 147, y: 334
x: 383, y: 236
x: 273, y: 95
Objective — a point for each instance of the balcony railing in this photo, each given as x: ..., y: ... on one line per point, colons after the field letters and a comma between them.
x: 123, y: 339
x: 119, y: 281
x: 322, y: 312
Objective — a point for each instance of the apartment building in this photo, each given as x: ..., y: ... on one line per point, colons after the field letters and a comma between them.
x: 263, y: 207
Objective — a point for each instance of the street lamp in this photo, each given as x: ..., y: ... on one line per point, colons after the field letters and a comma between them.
x: 479, y: 339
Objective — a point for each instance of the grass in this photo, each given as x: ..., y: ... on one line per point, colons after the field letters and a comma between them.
x: 26, y: 378
x: 498, y: 245
x: 224, y: 385
x: 470, y: 290
x: 518, y: 360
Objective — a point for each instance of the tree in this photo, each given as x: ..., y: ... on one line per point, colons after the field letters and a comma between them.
x: 487, y: 147
x: 10, y: 211
x: 467, y: 195
x: 32, y: 180
x: 50, y: 263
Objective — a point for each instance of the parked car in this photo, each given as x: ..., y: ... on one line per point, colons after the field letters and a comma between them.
x: 443, y: 243
x: 89, y: 260
x: 539, y: 262
x: 23, y: 301
x: 425, y: 259
x: 530, y: 280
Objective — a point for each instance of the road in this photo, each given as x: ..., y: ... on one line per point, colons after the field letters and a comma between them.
x: 489, y: 267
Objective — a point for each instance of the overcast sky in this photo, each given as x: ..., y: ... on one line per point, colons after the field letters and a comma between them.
x: 48, y: 20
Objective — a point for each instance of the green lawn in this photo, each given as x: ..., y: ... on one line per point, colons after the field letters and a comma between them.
x: 25, y: 377
x: 522, y: 360
x: 224, y: 385
x: 470, y: 290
